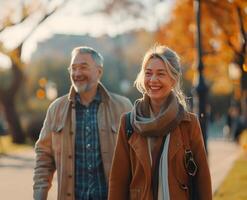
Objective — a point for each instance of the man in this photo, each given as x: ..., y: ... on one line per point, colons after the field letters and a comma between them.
x: 79, y: 133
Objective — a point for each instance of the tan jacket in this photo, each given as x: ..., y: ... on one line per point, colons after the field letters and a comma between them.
x: 56, y: 144
x: 130, y: 177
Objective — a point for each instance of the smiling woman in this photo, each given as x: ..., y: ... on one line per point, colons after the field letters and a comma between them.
x: 164, y: 156
x: 158, y: 83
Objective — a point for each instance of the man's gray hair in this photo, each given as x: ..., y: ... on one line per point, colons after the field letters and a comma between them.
x: 97, y: 57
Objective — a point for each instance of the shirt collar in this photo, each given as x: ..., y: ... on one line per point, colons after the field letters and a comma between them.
x: 104, y: 94
x: 97, y: 97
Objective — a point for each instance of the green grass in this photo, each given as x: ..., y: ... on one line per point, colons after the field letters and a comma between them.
x: 7, y: 146
x: 234, y: 186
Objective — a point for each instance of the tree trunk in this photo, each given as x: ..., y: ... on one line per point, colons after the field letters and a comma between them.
x: 8, y: 95
x: 13, y: 120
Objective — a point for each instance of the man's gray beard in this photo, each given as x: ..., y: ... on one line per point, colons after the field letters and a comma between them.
x: 81, y: 88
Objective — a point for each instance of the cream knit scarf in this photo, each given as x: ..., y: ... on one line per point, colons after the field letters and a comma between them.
x: 160, y: 125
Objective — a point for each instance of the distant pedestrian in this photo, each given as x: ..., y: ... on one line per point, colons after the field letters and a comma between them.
x: 79, y: 134
x: 164, y: 158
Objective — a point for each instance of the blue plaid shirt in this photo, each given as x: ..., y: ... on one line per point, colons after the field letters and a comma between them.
x: 90, y: 181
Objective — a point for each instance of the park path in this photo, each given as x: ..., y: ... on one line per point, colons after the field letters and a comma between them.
x: 16, y: 170
x: 16, y: 173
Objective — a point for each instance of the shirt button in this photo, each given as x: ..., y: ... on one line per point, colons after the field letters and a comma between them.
x: 89, y: 166
x: 88, y: 146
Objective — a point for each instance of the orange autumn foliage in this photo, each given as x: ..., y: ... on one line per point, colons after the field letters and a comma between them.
x: 221, y: 38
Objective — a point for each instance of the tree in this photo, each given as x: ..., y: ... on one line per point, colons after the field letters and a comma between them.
x: 224, y: 32
x: 233, y: 24
x: 8, y: 93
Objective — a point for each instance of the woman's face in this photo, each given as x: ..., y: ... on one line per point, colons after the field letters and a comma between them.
x: 157, y: 81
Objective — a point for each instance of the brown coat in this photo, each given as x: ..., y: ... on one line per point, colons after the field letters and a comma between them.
x: 55, y: 147
x: 130, y: 176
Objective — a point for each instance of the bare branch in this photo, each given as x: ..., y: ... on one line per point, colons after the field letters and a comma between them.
x: 15, y: 56
x: 7, y: 22
x: 42, y: 20
x: 48, y: 14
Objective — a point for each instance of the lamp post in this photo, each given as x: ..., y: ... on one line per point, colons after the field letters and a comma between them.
x: 201, y: 89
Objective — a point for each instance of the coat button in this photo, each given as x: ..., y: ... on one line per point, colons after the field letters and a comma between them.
x: 70, y: 156
x: 183, y: 187
x: 68, y: 194
x: 70, y: 176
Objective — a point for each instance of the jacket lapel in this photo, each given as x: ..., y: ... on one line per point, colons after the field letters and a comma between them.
x: 176, y: 140
x: 140, y: 147
x: 175, y: 143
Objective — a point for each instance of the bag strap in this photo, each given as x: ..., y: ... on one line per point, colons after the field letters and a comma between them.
x: 128, y: 126
x: 189, y: 161
x: 190, y: 164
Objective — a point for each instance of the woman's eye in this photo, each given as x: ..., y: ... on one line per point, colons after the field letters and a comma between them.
x: 147, y: 73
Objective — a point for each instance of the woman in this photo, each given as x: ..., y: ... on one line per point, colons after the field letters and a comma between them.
x: 165, y: 155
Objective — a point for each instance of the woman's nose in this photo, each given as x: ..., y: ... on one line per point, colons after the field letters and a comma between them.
x: 153, y: 78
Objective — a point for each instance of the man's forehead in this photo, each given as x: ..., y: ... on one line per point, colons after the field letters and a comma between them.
x: 82, y: 58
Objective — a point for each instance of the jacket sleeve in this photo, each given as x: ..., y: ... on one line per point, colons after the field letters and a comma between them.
x: 203, y: 178
x: 120, y: 174
x: 44, y: 161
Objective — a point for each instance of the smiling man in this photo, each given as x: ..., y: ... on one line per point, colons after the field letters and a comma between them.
x: 79, y: 133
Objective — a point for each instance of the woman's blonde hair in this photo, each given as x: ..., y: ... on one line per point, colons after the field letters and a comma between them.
x: 172, y: 61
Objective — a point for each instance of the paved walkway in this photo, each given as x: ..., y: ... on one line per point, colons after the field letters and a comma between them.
x: 16, y: 170
x: 16, y: 173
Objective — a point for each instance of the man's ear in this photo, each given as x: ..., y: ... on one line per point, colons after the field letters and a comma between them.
x: 100, y: 70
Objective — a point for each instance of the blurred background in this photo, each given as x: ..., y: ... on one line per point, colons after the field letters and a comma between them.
x: 37, y: 36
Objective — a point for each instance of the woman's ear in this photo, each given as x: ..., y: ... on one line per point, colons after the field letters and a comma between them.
x: 173, y: 83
